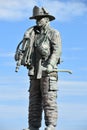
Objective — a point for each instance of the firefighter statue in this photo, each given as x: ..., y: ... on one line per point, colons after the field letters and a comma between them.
x: 40, y: 52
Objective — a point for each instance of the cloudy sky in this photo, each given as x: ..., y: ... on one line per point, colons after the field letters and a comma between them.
x: 71, y: 21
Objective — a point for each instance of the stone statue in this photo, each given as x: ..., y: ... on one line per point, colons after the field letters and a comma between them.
x: 40, y: 52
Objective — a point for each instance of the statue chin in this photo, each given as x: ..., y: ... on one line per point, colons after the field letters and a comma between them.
x: 39, y: 25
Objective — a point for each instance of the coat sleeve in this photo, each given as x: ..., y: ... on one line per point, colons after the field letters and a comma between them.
x: 56, y: 48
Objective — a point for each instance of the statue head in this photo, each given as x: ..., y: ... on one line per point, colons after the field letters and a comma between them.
x: 39, y: 13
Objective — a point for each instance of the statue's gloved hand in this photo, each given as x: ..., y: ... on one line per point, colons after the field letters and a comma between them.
x: 49, y: 68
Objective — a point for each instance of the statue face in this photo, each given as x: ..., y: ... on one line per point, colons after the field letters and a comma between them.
x: 41, y: 22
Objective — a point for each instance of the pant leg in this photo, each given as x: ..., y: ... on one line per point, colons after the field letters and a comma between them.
x: 35, y: 104
x: 49, y: 95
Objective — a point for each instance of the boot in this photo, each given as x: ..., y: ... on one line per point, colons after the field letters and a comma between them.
x: 50, y: 127
x: 32, y: 128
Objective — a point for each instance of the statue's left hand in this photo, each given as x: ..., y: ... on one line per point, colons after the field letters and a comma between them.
x: 49, y: 68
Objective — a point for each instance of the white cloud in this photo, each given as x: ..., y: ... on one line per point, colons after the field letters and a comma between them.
x: 83, y: 69
x: 15, y: 9
x: 12, y: 111
x: 10, y: 80
x: 12, y: 93
x: 79, y: 111
x: 66, y: 10
x: 78, y: 88
x: 8, y: 54
x: 61, y: 10
x: 75, y: 49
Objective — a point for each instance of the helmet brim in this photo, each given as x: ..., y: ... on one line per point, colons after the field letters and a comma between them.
x: 42, y: 16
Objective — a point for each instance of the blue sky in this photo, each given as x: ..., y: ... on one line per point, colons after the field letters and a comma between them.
x: 71, y: 21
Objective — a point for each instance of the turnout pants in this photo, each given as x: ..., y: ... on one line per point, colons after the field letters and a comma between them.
x: 42, y: 97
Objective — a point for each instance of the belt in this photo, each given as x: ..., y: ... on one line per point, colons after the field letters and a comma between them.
x: 44, y: 74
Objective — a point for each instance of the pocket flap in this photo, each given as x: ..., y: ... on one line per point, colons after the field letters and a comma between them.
x: 53, y: 84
